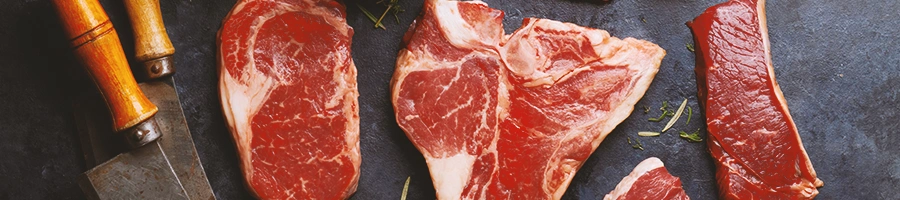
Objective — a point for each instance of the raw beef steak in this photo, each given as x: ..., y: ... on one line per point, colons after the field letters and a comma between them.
x: 288, y: 91
x: 512, y: 116
x: 751, y: 135
x: 648, y: 180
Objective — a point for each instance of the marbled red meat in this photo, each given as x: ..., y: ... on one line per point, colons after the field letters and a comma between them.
x: 288, y: 91
x: 512, y: 116
x: 648, y: 180
x: 752, y: 137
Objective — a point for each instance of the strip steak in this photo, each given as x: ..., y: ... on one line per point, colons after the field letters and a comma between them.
x: 512, y: 116
x: 751, y: 134
x: 288, y: 91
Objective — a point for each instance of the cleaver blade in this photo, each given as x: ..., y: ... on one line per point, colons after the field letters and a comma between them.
x: 177, y: 144
x: 142, y: 173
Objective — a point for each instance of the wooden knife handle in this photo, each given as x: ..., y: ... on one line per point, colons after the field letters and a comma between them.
x: 151, y: 42
x: 96, y: 44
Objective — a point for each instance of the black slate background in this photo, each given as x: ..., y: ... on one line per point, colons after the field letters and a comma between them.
x: 836, y: 61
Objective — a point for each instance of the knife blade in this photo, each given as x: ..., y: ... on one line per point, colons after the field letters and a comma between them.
x: 177, y: 143
x: 143, y: 172
x: 154, y: 51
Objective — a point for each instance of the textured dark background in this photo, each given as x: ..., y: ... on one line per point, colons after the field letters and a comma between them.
x: 836, y: 61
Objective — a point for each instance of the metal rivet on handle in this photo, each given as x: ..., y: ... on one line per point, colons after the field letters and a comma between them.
x: 142, y: 133
x: 155, y: 69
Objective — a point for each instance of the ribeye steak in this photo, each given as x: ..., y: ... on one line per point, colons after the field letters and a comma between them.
x: 751, y: 134
x: 512, y: 116
x: 288, y: 91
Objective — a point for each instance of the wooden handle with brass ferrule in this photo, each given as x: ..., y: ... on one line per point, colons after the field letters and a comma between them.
x: 96, y: 44
x: 151, y: 42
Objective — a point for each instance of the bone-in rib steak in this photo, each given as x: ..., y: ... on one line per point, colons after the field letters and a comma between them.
x: 751, y: 135
x: 288, y: 91
x: 512, y: 116
x: 648, y: 180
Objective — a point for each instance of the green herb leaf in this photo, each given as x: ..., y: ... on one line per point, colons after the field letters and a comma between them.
x: 690, y: 47
x: 405, y: 189
x: 371, y: 17
x: 690, y: 112
x: 666, y: 112
x: 692, y: 137
x: 670, y: 113
x: 646, y: 109
x: 677, y: 115
x: 637, y: 144
x: 660, y: 118
x: 648, y: 134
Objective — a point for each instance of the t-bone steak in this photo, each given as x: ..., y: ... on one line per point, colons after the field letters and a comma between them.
x: 752, y: 137
x: 512, y: 116
x: 288, y: 91
x: 649, y: 180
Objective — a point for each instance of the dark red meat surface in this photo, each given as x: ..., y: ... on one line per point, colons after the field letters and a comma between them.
x: 288, y: 91
x: 752, y: 137
x: 512, y: 116
x: 649, y: 180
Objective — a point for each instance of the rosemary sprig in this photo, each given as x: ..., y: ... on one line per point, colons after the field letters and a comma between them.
x: 393, y: 6
x: 666, y: 112
x: 692, y: 137
x: 371, y: 17
x: 637, y: 144
x: 384, y: 13
x: 660, y: 118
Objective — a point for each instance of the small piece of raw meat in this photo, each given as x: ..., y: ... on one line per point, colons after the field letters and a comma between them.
x: 288, y: 91
x: 512, y: 116
x: 752, y: 137
x: 648, y: 180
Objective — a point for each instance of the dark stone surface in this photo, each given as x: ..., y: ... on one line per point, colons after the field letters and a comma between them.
x: 836, y: 62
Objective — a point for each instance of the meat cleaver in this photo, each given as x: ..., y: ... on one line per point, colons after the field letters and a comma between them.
x: 159, y: 159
